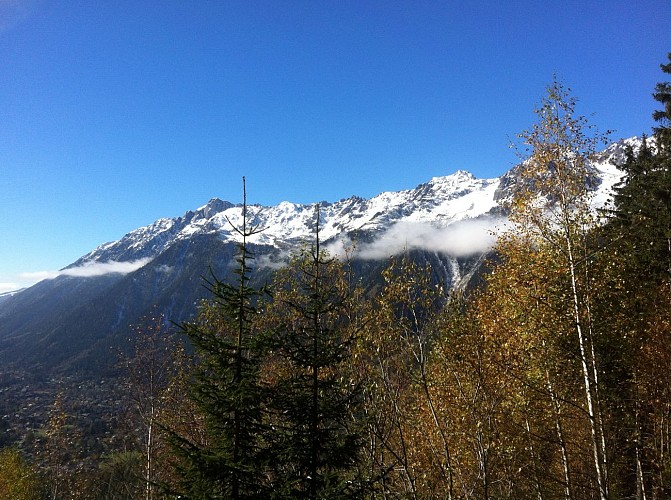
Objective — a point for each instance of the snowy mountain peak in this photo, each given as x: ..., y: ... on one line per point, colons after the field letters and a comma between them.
x: 214, y: 206
x: 615, y: 153
x: 439, y: 202
x: 460, y: 176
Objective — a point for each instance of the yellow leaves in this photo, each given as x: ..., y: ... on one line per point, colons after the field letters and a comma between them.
x: 553, y: 198
x: 18, y: 480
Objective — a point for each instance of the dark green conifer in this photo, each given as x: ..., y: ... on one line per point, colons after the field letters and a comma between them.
x: 638, y: 254
x: 642, y: 214
x: 229, y: 462
x: 316, y: 439
x: 662, y: 94
x: 641, y: 219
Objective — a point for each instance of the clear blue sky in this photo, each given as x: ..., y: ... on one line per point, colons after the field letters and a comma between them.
x: 115, y: 113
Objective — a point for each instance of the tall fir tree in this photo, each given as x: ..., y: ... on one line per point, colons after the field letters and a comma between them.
x: 229, y: 462
x: 638, y: 232
x: 662, y: 116
x: 316, y: 441
x: 640, y: 220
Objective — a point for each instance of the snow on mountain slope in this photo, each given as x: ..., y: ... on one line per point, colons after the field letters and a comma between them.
x: 606, y: 165
x: 438, y: 203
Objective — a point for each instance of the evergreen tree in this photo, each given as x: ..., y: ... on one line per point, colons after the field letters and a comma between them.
x: 662, y: 94
x: 640, y: 222
x: 229, y: 462
x: 641, y: 216
x: 638, y: 233
x: 315, y: 402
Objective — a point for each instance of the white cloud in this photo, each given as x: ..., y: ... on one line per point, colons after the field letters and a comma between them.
x: 342, y: 248
x: 8, y: 287
x: 39, y: 275
x: 101, y: 268
x: 460, y: 239
x: 89, y: 269
x: 272, y: 262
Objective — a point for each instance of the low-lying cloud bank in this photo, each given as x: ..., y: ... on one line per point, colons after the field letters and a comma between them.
x: 7, y: 286
x: 460, y: 239
x: 90, y: 269
x: 463, y: 238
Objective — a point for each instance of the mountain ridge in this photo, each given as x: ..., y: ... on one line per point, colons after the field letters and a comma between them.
x: 290, y: 222
x: 440, y: 201
x: 157, y: 269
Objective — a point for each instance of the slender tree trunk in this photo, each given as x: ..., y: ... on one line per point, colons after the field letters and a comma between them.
x: 441, y: 431
x: 560, y: 437
x: 640, y: 481
x: 400, y: 455
x: 237, y: 423
x: 150, y: 429
x: 482, y: 452
x: 595, y: 375
x: 534, y: 459
x: 314, y: 424
x: 603, y: 489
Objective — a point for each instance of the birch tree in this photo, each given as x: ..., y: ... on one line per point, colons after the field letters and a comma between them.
x: 552, y: 207
x: 149, y: 372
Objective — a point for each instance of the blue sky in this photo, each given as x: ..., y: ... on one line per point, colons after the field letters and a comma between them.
x: 116, y: 113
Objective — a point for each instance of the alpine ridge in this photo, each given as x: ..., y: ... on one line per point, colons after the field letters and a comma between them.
x: 70, y: 322
x: 441, y: 201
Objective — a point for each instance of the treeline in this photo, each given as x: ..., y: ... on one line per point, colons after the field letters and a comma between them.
x: 551, y: 380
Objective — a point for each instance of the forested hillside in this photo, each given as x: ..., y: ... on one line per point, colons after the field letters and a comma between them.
x: 548, y: 378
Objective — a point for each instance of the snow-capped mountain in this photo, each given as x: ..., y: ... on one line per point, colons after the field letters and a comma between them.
x: 157, y: 269
x: 441, y: 201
